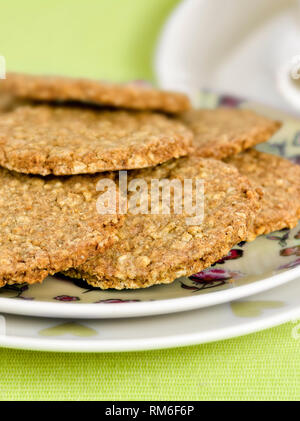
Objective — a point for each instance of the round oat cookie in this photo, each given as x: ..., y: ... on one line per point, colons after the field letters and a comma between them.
x: 133, y: 95
x: 280, y: 182
x: 69, y: 140
x: 49, y: 224
x: 156, y: 249
x: 223, y: 132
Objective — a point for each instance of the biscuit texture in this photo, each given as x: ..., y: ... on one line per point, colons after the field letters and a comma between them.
x: 129, y: 95
x: 8, y: 102
x: 48, y: 225
x: 156, y: 249
x: 69, y: 140
x: 280, y: 182
x: 223, y: 132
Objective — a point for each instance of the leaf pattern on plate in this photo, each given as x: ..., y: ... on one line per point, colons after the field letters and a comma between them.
x: 116, y: 301
x: 67, y: 298
x: 210, y: 278
x: 290, y: 265
x: 232, y: 255
x: 19, y: 289
x: 290, y: 251
x: 253, y: 308
x: 282, y: 239
x: 68, y: 328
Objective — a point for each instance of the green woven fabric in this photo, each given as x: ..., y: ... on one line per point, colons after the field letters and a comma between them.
x: 115, y: 40
x: 264, y: 365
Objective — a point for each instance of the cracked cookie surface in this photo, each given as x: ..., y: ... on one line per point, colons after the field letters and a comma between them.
x: 223, y: 132
x: 156, y: 249
x: 69, y: 140
x: 49, y: 224
x: 280, y: 182
x: 127, y: 95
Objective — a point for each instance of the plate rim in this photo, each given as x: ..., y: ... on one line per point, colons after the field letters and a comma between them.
x: 72, y: 310
x: 135, y: 345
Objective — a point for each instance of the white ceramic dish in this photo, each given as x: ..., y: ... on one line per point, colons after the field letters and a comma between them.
x: 225, y: 321
x: 241, y: 47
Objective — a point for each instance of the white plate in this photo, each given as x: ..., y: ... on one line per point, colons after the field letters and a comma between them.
x: 251, y: 268
x: 240, y: 47
x: 237, y: 318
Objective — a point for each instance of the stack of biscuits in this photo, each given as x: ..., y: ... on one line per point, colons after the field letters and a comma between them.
x: 60, y: 137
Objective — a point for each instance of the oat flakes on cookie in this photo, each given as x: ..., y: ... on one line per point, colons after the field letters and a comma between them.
x: 156, y: 249
x: 48, y: 225
x: 223, y: 132
x: 69, y: 140
x: 128, y: 95
x: 280, y: 182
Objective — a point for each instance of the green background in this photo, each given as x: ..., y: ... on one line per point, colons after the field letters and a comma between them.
x: 115, y: 39
x: 109, y: 39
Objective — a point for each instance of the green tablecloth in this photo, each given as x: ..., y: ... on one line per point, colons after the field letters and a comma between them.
x: 261, y: 366
x: 114, y: 39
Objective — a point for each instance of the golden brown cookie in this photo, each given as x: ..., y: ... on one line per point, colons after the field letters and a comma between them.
x: 70, y: 140
x: 223, y: 132
x: 48, y: 225
x: 8, y: 102
x: 280, y: 182
x: 128, y: 95
x: 156, y: 249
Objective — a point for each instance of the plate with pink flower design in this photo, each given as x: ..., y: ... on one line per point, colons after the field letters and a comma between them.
x: 236, y: 318
x: 249, y: 268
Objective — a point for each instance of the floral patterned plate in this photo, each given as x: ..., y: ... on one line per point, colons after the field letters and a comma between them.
x: 249, y: 268
x: 235, y: 318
